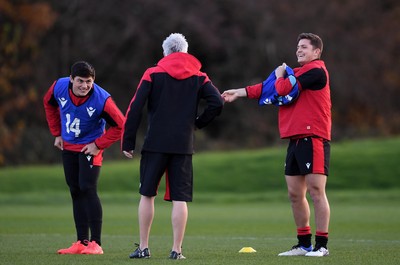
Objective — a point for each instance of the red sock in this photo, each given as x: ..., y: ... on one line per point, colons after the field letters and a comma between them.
x: 319, y: 233
x: 301, y: 231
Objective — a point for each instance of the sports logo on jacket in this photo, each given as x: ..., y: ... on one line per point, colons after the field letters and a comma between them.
x: 90, y: 111
x: 63, y: 101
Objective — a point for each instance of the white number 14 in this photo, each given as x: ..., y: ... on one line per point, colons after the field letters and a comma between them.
x: 74, y: 126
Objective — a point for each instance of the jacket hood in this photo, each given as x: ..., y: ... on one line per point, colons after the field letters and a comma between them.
x: 180, y: 65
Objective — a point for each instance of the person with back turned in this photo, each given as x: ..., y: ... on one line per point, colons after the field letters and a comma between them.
x: 172, y: 89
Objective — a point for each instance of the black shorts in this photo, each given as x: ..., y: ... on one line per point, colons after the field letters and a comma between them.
x: 309, y: 155
x: 178, y: 171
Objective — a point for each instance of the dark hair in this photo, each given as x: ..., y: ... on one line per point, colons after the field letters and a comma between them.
x: 315, y: 40
x: 83, y: 69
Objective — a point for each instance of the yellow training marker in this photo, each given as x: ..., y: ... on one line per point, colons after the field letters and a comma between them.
x: 247, y: 250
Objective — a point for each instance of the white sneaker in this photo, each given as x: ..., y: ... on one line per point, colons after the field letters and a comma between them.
x: 297, y: 251
x: 320, y: 252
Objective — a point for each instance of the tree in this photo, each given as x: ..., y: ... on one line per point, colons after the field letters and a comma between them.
x: 21, y: 27
x: 238, y: 42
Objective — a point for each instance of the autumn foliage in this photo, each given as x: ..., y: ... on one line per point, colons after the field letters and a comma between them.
x: 238, y: 42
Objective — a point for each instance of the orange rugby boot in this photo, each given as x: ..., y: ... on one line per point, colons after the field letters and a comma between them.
x: 76, y: 248
x: 93, y: 248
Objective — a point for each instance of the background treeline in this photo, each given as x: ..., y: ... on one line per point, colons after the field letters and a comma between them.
x: 238, y: 42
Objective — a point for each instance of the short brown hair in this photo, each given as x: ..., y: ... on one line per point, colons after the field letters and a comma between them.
x: 315, y: 40
x: 82, y: 69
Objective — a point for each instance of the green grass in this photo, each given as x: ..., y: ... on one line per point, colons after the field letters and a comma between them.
x: 364, y: 164
x: 239, y: 200
x: 365, y: 229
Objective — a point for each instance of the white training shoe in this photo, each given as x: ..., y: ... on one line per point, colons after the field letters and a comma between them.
x: 320, y: 252
x: 297, y: 251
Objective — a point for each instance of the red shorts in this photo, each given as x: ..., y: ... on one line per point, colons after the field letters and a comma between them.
x: 309, y: 155
x: 178, y: 171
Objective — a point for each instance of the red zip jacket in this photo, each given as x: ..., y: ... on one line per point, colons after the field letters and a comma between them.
x: 172, y: 90
x: 310, y: 114
x: 111, y: 114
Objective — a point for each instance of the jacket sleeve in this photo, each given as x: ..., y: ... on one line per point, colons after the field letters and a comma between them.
x: 214, y: 103
x: 283, y: 86
x: 133, y: 115
x: 254, y: 91
x: 52, y: 111
x: 115, y: 119
x: 314, y: 79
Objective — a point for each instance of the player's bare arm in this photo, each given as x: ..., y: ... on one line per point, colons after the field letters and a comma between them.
x: 233, y: 94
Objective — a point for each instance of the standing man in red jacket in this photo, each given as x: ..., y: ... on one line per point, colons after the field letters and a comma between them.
x: 172, y: 89
x: 307, y: 124
x: 77, y: 111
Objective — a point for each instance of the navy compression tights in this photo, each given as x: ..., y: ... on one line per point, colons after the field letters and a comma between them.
x: 82, y: 177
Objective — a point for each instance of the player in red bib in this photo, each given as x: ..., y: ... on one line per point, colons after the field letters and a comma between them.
x: 306, y: 122
x: 77, y: 111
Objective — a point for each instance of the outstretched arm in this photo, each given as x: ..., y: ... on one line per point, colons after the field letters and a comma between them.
x: 233, y: 94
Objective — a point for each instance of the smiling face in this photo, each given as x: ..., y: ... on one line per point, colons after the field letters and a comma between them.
x: 81, y: 85
x: 306, y: 52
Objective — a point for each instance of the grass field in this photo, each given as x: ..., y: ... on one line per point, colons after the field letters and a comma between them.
x: 240, y: 201
x: 365, y: 229
x: 363, y: 164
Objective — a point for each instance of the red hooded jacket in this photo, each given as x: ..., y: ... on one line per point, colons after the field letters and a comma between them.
x: 172, y: 90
